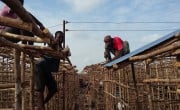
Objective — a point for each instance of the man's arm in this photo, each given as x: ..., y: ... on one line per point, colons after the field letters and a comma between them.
x: 117, y: 54
x: 107, y: 55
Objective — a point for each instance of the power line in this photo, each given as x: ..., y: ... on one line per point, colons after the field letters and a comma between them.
x: 117, y: 23
x: 107, y: 22
x: 123, y: 30
x: 127, y: 22
x: 54, y: 26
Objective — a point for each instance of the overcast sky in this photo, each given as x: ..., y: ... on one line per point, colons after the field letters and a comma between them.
x: 122, y: 17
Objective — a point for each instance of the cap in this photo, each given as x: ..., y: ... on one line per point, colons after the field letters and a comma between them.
x: 107, y: 38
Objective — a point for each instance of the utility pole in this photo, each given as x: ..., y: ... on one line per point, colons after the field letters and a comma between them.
x: 64, y: 30
x: 64, y: 104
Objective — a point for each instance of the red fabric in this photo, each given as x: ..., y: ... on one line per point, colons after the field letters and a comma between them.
x: 118, y: 43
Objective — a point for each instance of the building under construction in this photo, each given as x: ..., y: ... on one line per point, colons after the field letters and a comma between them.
x: 145, y: 79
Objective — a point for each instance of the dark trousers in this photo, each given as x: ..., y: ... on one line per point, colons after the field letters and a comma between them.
x: 43, y: 77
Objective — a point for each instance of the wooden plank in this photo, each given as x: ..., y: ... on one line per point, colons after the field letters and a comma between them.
x: 6, y: 21
x: 34, y: 50
x: 22, y: 37
x: 173, y: 46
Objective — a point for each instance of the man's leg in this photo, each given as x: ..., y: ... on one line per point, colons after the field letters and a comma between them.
x: 40, y: 86
x: 107, y: 54
x: 51, y: 85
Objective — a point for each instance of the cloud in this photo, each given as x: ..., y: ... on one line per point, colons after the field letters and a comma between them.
x: 83, y: 5
x: 149, y: 38
x: 87, y: 47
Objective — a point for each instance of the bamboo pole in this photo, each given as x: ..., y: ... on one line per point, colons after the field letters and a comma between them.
x: 118, y: 83
x: 23, y: 38
x: 5, y: 42
x: 32, y: 85
x: 23, y: 64
x: 17, y: 80
x: 35, y: 49
x: 177, y: 52
x: 7, y: 85
x: 6, y: 21
x: 173, y: 46
x: 125, y: 103
x: 155, y: 80
x: 147, y: 69
x: 135, y: 86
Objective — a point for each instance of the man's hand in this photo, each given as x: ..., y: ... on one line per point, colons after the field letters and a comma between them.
x: 67, y: 51
x: 118, y: 54
x: 105, y: 55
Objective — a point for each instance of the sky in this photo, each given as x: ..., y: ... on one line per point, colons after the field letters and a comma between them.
x: 137, y: 21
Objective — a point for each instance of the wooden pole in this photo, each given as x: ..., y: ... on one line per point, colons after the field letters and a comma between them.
x: 147, y: 69
x: 118, y: 83
x: 32, y: 85
x: 178, y: 65
x: 64, y: 103
x: 33, y: 50
x: 135, y: 86
x: 6, y: 21
x: 23, y: 64
x: 158, y: 80
x: 23, y: 38
x: 7, y: 85
x: 173, y: 46
x: 17, y: 73
x: 64, y: 31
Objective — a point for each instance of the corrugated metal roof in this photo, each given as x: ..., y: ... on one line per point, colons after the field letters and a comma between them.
x: 142, y: 49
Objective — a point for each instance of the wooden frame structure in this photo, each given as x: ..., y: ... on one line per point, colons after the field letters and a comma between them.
x: 148, y: 81
x: 17, y: 66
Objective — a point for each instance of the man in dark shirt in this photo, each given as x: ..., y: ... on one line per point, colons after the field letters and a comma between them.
x: 43, y: 75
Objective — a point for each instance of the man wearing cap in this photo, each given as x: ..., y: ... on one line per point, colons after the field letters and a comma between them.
x: 114, y: 46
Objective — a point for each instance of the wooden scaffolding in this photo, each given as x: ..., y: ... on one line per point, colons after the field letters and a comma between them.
x: 17, y: 66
